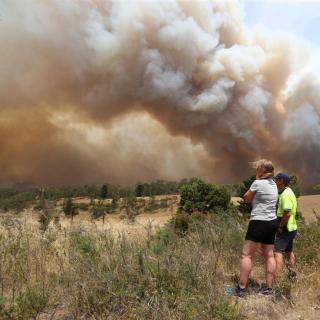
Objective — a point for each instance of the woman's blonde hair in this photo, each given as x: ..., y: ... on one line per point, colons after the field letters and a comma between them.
x: 266, y: 165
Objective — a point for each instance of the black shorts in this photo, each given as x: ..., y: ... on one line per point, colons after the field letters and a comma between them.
x: 284, y: 241
x: 262, y: 231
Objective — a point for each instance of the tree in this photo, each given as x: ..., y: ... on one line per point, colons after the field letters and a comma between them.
x: 100, y: 210
x: 68, y: 207
x: 114, y: 202
x: 317, y: 188
x: 242, y: 189
x: 139, y: 190
x: 294, y: 185
x: 45, y: 215
x: 203, y: 197
x: 131, y: 205
x: 104, y: 192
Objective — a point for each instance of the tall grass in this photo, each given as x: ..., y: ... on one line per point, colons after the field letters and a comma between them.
x: 173, y: 274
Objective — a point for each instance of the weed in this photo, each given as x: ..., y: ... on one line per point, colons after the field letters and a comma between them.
x: 179, y: 272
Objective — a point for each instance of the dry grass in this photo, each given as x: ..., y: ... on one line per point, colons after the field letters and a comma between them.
x: 90, y: 270
x: 92, y: 275
x: 309, y: 206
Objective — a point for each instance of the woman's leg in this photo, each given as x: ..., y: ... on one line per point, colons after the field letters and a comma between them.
x: 270, y: 262
x: 248, y: 251
x: 279, y: 262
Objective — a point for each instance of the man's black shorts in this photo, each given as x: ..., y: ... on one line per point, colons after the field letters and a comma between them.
x: 284, y: 241
x: 262, y: 231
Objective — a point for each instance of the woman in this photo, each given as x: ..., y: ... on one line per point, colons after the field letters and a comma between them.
x: 263, y: 195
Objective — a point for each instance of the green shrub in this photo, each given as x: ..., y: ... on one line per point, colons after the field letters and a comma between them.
x: 44, y: 220
x: 243, y: 188
x: 82, y: 206
x: 84, y: 244
x: 203, y: 197
x: 30, y: 304
x: 182, y: 223
x: 104, y: 191
x: 198, y: 216
x: 45, y: 214
x: 305, y: 243
x: 69, y: 208
x: 151, y: 207
x: 17, y: 202
x: 164, y: 237
x: 224, y: 310
x: 154, y: 206
x: 294, y: 185
x: 100, y: 209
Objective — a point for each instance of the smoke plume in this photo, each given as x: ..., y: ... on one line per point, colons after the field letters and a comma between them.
x: 120, y: 91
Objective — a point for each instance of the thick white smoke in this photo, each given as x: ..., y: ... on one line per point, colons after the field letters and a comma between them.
x: 191, y: 65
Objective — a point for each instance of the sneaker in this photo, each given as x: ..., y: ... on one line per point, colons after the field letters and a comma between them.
x: 265, y: 290
x: 239, y: 292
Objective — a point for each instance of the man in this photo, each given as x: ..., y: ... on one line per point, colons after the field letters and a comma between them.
x: 287, y: 229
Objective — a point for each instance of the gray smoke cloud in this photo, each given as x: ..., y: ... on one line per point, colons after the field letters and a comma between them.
x: 204, y: 94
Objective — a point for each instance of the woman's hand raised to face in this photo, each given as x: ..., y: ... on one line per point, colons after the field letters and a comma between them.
x: 259, y: 173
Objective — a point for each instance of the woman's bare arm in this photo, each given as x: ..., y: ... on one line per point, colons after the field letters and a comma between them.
x: 248, y: 196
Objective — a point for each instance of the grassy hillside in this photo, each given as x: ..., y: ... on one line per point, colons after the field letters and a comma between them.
x: 179, y: 272
x: 157, y: 266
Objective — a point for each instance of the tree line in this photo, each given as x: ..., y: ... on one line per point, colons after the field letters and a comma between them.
x: 21, y: 195
x: 18, y: 197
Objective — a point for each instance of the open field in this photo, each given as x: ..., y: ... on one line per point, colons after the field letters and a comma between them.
x: 90, y: 269
x: 309, y: 206
x: 116, y: 223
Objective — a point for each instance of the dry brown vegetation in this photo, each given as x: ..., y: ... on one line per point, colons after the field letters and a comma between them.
x: 87, y: 269
x: 309, y: 206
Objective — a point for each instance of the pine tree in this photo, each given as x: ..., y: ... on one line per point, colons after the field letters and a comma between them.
x: 139, y: 190
x: 104, y: 192
x: 68, y: 207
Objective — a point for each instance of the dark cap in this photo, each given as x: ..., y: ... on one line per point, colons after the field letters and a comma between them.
x: 282, y: 176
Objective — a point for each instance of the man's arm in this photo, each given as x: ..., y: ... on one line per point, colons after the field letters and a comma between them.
x: 284, y: 220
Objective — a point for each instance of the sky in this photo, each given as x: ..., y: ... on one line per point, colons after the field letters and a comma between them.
x: 101, y: 90
x: 302, y: 18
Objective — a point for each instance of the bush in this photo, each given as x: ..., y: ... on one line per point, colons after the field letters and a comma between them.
x: 100, y: 209
x: 82, y: 206
x: 84, y: 244
x: 31, y: 303
x: 154, y: 206
x: 181, y: 223
x: 224, y: 310
x: 305, y: 248
x: 139, y: 189
x: 151, y: 207
x: 17, y: 202
x: 294, y: 185
x: 104, y: 192
x: 69, y: 208
x: 203, y: 197
x: 244, y: 187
